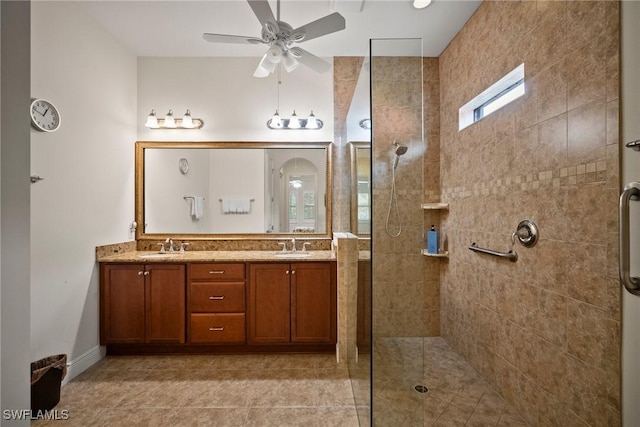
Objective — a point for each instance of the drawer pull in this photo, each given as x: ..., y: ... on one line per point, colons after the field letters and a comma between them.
x: 216, y: 328
x: 216, y: 297
x: 216, y: 272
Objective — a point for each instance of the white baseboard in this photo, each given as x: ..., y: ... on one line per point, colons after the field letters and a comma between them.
x: 81, y: 363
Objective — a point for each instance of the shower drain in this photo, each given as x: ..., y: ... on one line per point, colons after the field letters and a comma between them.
x: 421, y: 389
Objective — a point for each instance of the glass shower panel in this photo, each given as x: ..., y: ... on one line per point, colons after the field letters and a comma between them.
x: 398, y: 298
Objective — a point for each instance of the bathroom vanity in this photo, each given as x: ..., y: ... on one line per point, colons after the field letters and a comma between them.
x: 218, y: 302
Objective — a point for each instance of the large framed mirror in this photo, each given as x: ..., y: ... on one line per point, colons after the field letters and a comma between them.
x: 232, y: 190
x: 360, y: 152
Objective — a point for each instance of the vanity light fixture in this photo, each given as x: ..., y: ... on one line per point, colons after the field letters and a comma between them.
x: 170, y: 122
x: 295, y: 122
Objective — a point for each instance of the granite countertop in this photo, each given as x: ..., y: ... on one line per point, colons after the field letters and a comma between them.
x: 217, y: 256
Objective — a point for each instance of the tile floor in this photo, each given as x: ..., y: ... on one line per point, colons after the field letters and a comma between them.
x: 457, y: 396
x: 286, y: 390
x: 220, y: 390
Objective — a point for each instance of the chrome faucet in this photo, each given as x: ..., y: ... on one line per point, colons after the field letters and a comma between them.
x: 169, y: 241
x: 293, y: 244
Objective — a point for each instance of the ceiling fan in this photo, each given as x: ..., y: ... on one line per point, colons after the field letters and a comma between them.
x: 281, y: 37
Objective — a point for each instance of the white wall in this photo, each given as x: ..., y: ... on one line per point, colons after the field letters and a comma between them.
x: 235, y: 105
x: 228, y: 181
x: 86, y: 198
x: 166, y: 210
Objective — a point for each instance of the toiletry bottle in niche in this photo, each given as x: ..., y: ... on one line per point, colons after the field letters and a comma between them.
x: 432, y: 240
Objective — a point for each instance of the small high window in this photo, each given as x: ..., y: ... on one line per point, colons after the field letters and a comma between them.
x: 501, y: 93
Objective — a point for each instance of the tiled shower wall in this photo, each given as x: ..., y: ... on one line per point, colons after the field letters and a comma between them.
x: 405, y: 283
x: 544, y: 330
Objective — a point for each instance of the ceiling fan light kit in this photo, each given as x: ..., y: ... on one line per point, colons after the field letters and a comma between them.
x: 280, y: 37
x: 170, y: 122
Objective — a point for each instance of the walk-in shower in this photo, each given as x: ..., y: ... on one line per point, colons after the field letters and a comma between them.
x: 393, y: 197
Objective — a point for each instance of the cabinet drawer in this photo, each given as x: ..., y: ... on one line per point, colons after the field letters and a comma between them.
x: 216, y: 297
x: 217, y: 271
x: 222, y: 328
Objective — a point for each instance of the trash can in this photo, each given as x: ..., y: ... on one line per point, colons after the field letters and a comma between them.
x: 46, y: 377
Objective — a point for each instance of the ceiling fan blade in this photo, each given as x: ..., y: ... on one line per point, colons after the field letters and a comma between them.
x: 262, y: 11
x: 310, y: 60
x: 326, y: 25
x: 227, y: 38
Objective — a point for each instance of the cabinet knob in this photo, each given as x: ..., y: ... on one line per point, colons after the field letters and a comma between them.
x: 146, y: 273
x: 287, y: 271
x: 293, y: 272
x: 216, y: 328
x: 140, y: 273
x: 216, y: 297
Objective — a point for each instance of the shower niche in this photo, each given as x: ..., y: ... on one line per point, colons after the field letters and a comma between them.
x: 440, y: 208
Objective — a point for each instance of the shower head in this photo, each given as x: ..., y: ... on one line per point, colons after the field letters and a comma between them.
x: 400, y: 150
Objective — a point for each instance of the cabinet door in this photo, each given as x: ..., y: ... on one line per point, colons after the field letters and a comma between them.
x: 122, y: 304
x: 166, y: 298
x: 269, y: 303
x: 313, y: 303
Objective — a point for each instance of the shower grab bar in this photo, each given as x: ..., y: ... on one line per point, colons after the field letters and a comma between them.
x: 511, y: 255
x: 631, y: 192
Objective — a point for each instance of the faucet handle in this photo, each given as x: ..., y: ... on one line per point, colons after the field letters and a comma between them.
x: 161, y: 247
x: 284, y: 246
x: 183, y: 246
x: 304, y: 246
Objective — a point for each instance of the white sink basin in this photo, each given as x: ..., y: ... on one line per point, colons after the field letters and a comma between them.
x: 169, y: 255
x: 293, y: 255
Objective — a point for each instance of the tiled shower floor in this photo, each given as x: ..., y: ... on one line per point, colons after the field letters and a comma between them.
x: 457, y: 395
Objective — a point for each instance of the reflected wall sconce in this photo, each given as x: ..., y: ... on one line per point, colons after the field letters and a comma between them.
x: 170, y: 122
x: 365, y: 123
x: 294, y: 122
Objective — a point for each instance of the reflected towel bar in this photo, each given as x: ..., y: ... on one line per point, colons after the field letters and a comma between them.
x: 511, y: 255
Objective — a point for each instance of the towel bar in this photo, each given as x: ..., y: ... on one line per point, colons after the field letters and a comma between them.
x: 511, y: 255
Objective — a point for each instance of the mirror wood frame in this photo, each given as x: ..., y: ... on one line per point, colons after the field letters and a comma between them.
x: 141, y: 146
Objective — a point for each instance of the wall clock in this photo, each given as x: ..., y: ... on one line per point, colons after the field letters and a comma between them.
x: 183, y: 165
x: 45, y: 117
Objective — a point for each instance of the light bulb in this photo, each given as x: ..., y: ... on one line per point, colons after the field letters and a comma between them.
x: 312, y: 123
x: 152, y: 120
x: 169, y: 121
x: 187, y: 121
x: 276, y: 121
x: 274, y: 54
x: 289, y: 61
x: 294, y: 123
x: 421, y: 4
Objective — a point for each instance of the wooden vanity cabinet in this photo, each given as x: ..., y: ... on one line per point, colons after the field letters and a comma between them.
x: 216, y: 309
x: 142, y: 303
x: 292, y: 303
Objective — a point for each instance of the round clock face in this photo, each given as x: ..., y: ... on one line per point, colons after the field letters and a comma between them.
x: 44, y: 116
